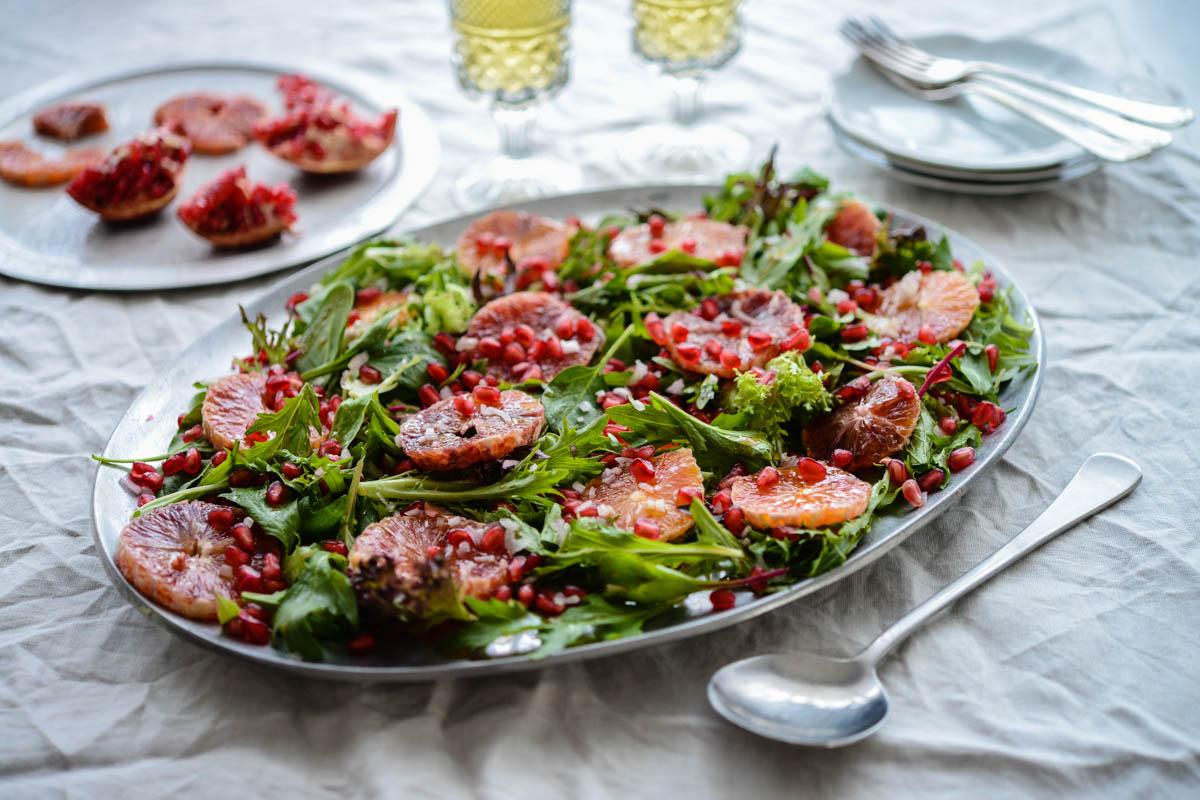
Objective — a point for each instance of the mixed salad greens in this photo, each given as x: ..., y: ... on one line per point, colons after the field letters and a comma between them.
x: 535, y: 546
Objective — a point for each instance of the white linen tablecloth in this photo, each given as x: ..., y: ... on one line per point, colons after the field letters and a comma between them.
x: 1075, y: 673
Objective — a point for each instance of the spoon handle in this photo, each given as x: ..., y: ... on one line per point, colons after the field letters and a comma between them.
x: 1102, y: 480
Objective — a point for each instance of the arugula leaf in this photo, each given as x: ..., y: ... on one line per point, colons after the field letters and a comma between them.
x: 322, y: 340
x: 227, y: 609
x: 290, y: 425
x: 282, y: 522
x: 570, y: 397
x: 318, y: 607
x: 709, y: 531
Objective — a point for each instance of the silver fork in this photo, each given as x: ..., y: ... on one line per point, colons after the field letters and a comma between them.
x: 1127, y: 145
x: 941, y: 70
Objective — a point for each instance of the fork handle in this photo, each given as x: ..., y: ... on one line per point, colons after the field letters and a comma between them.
x: 1090, y: 139
x: 1150, y: 113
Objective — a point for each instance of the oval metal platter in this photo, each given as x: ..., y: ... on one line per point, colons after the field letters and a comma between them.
x: 150, y: 422
x: 48, y: 238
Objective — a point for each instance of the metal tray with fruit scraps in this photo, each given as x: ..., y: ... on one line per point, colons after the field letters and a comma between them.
x: 48, y: 238
x: 150, y: 422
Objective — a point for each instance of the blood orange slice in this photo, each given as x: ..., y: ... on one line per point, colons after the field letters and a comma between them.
x: 944, y: 302
x: 233, y: 212
x: 214, y: 123
x: 375, y: 306
x: 526, y: 329
x: 135, y: 180
x: 407, y: 539
x: 872, y: 427
x: 732, y: 332
x: 24, y: 167
x: 529, y: 236
x: 708, y: 239
x: 792, y: 500
x: 70, y: 121
x: 231, y: 405
x: 855, y: 228
x: 459, y: 432
x: 619, y: 496
x: 177, y: 559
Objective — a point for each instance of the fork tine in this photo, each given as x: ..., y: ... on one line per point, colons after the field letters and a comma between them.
x: 866, y: 44
x: 899, y: 43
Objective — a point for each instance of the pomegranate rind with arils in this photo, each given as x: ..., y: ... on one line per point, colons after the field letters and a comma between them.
x: 549, y: 316
x: 231, y: 405
x: 173, y: 556
x: 872, y: 427
x: 231, y: 211
x: 794, y: 501
x: 756, y: 310
x: 214, y: 123
x: 22, y: 166
x: 70, y: 121
x: 137, y: 179
x: 617, y: 490
x: 440, y: 437
x: 406, y: 540
x: 712, y: 240
x: 530, y: 236
x: 943, y: 301
x: 855, y: 228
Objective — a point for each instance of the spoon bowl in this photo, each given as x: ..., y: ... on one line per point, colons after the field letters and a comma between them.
x: 801, y: 699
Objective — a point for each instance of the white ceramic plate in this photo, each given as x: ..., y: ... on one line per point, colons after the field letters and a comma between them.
x: 969, y: 134
x: 150, y: 422
x: 46, y: 237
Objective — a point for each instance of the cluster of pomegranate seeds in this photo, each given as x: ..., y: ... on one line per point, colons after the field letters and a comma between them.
x: 281, y: 386
x: 144, y: 169
x: 146, y: 476
x: 327, y: 410
x: 232, y: 204
x: 188, y: 461
x: 987, y: 288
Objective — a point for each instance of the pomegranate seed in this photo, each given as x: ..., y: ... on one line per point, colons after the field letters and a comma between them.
x: 926, y: 335
x: 992, y: 352
x: 524, y: 334
x: 140, y: 468
x: 730, y: 360
x: 151, y: 481
x: 370, y: 374
x: 998, y: 416
x: 643, y: 471
x: 925, y: 267
x: 236, y: 556
x: 144, y: 498
x: 565, y: 327
x: 501, y: 245
x: 687, y: 245
x: 254, y: 631
x: 656, y: 224
x: 960, y: 459
x: 931, y: 480
x: 428, y: 395
x: 489, y: 348
x: 352, y: 318
x: 192, y: 434
x: 192, y: 461
x: 550, y: 281
x: 493, y: 539
x: 759, y: 340
x: 730, y: 258
x: 459, y: 536
x: 855, y: 333
x: 609, y: 400
x: 464, y: 404
x: 897, y: 472
x: 713, y: 348
x: 525, y: 595
x: 841, y: 458
x: 767, y: 478
x: 270, y: 567
x: 722, y: 501
x: 295, y: 300
x: 811, y: 470
x: 799, y: 340
x: 679, y: 332
x: 436, y: 372
x: 331, y: 449
x: 513, y: 354
x: 948, y: 425
x: 847, y: 307
x: 905, y: 390
x: 470, y: 378
x: 584, y: 330
x: 367, y: 295
x: 242, y: 534
x: 234, y: 627
x: 363, y: 643
x: 688, y: 353
x: 647, y: 529
x: 290, y: 471
x: 709, y: 309
x: 722, y: 599
x: 503, y: 593
x: 276, y: 493
x: 657, y: 246
x: 545, y: 603
x: 334, y: 546
x: 516, y: 569
x: 536, y: 350
x: 685, y: 496
x: 735, y: 521
x: 247, y: 579
x: 221, y: 518
x: 912, y: 493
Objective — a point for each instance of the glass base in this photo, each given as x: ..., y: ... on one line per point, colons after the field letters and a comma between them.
x: 677, y: 153
x: 502, y: 181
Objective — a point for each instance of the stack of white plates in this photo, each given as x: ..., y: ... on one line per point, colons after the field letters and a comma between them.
x: 970, y: 144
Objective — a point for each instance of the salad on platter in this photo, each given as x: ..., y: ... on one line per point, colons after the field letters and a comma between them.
x: 562, y: 432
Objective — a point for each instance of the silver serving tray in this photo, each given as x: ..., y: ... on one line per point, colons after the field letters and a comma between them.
x: 48, y: 238
x: 149, y: 424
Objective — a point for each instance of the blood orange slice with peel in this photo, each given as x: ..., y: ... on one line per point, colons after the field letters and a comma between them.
x: 529, y: 236
x: 137, y: 179
x: 407, y: 539
x: 234, y: 212
x: 231, y: 405
x: 750, y: 326
x: 792, y: 500
x: 709, y: 240
x: 176, y: 558
x: 25, y: 167
x: 855, y: 228
x: 619, y: 496
x: 872, y: 427
x: 942, y: 301
x: 214, y: 123
x: 441, y: 437
x: 70, y: 121
x: 561, y: 336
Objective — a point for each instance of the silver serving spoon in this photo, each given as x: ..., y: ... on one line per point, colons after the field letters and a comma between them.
x: 830, y: 702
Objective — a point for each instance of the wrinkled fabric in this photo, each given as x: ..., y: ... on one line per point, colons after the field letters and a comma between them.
x: 1074, y: 673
